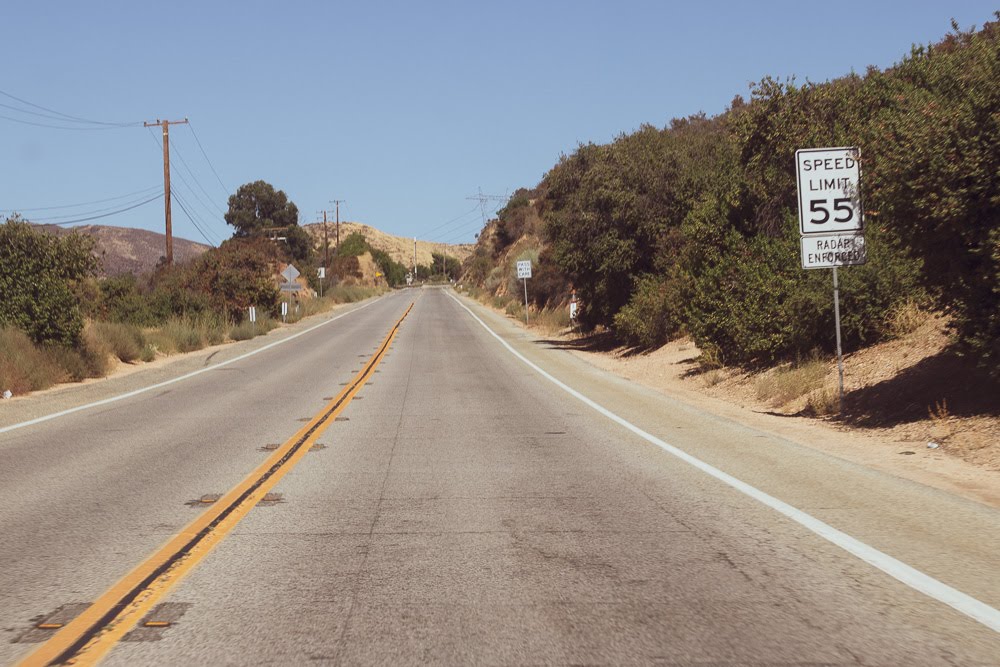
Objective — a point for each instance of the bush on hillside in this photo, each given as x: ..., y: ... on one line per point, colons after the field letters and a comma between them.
x: 38, y: 275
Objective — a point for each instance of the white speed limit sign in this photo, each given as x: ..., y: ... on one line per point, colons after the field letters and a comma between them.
x: 829, y: 181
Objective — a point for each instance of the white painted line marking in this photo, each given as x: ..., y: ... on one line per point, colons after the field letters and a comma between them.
x: 915, y: 579
x: 136, y: 392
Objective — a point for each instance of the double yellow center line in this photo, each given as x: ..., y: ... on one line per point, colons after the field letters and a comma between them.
x: 91, y: 635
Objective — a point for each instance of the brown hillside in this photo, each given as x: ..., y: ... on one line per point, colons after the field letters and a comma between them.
x: 129, y: 250
x: 398, y: 247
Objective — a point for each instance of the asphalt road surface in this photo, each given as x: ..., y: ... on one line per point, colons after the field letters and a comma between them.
x: 434, y: 498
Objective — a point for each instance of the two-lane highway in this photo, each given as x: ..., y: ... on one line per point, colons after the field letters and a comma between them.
x: 464, y: 509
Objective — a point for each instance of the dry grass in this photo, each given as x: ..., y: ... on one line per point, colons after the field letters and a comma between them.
x: 246, y: 330
x: 905, y: 318
x: 787, y: 383
x: 712, y: 377
x: 125, y: 341
x: 824, y: 401
x: 25, y: 367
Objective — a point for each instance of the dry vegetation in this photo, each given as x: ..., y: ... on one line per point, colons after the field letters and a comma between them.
x: 399, y: 248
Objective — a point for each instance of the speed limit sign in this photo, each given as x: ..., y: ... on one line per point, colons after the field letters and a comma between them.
x: 829, y: 181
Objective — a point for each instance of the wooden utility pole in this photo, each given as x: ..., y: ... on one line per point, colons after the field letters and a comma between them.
x: 165, y: 124
x: 326, y: 242
x: 338, y: 202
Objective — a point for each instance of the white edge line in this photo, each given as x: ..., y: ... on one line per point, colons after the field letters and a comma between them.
x: 143, y: 390
x: 915, y: 579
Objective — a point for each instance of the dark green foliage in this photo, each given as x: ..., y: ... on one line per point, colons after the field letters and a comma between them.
x: 38, y: 276
x: 237, y: 275
x: 651, y: 316
x: 353, y: 245
x: 445, y: 265
x: 257, y: 207
x: 123, y: 301
x: 393, y: 272
x: 693, y: 227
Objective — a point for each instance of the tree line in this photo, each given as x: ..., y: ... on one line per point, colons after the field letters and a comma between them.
x: 692, y: 228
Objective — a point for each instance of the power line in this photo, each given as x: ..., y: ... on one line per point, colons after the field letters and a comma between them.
x: 444, y: 224
x: 61, y: 127
x: 218, y: 178
x: 106, y: 215
x: 66, y: 116
x: 204, y: 234
x: 93, y: 212
x: 86, y: 203
x: 184, y: 181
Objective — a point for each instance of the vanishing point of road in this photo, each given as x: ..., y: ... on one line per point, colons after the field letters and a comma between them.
x: 414, y: 480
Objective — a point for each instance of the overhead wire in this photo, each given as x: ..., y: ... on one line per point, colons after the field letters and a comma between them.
x: 204, y: 234
x: 444, y: 224
x: 212, y: 166
x: 86, y: 203
x: 180, y: 176
x: 104, y: 209
x: 105, y: 215
x: 65, y: 117
x: 450, y: 232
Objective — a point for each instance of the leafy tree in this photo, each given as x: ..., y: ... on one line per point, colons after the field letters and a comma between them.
x: 38, y: 274
x: 258, y: 207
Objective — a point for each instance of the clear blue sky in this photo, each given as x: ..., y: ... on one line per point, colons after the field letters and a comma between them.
x: 403, y: 109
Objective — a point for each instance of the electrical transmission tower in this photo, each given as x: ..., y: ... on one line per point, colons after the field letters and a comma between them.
x: 482, y: 199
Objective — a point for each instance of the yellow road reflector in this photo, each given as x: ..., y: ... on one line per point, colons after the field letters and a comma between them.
x: 90, y: 636
x: 156, y: 624
x: 49, y: 626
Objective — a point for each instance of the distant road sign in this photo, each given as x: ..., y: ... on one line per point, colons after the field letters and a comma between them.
x: 290, y: 273
x: 829, y: 184
x: 321, y: 272
x: 290, y: 287
x: 253, y: 313
x: 827, y: 251
x: 524, y: 269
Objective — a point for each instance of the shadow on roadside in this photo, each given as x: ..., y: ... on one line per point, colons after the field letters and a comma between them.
x: 945, y: 384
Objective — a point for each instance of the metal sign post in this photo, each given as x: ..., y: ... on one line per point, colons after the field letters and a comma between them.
x: 831, y: 221
x: 524, y: 272
x: 253, y: 320
x: 840, y: 354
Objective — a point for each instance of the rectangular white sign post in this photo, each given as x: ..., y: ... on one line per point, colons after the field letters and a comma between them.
x: 321, y: 274
x: 524, y: 272
x: 831, y: 219
x: 253, y: 319
x: 284, y: 310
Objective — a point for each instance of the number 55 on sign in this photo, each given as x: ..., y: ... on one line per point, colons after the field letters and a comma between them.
x: 829, y: 182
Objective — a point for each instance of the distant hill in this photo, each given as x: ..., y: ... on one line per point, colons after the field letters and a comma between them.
x: 398, y: 247
x: 129, y: 250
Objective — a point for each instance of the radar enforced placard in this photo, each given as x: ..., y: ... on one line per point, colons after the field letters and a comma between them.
x: 825, y: 251
x: 829, y: 182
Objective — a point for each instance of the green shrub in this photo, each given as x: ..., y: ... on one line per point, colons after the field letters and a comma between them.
x: 122, y: 301
x: 652, y: 316
x: 38, y: 275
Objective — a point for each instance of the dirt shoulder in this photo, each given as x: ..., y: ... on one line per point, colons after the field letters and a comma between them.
x: 900, y: 396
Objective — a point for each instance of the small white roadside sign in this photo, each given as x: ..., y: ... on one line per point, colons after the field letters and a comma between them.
x: 321, y: 272
x: 523, y: 269
x: 253, y: 314
x: 829, y: 184
x: 826, y: 251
